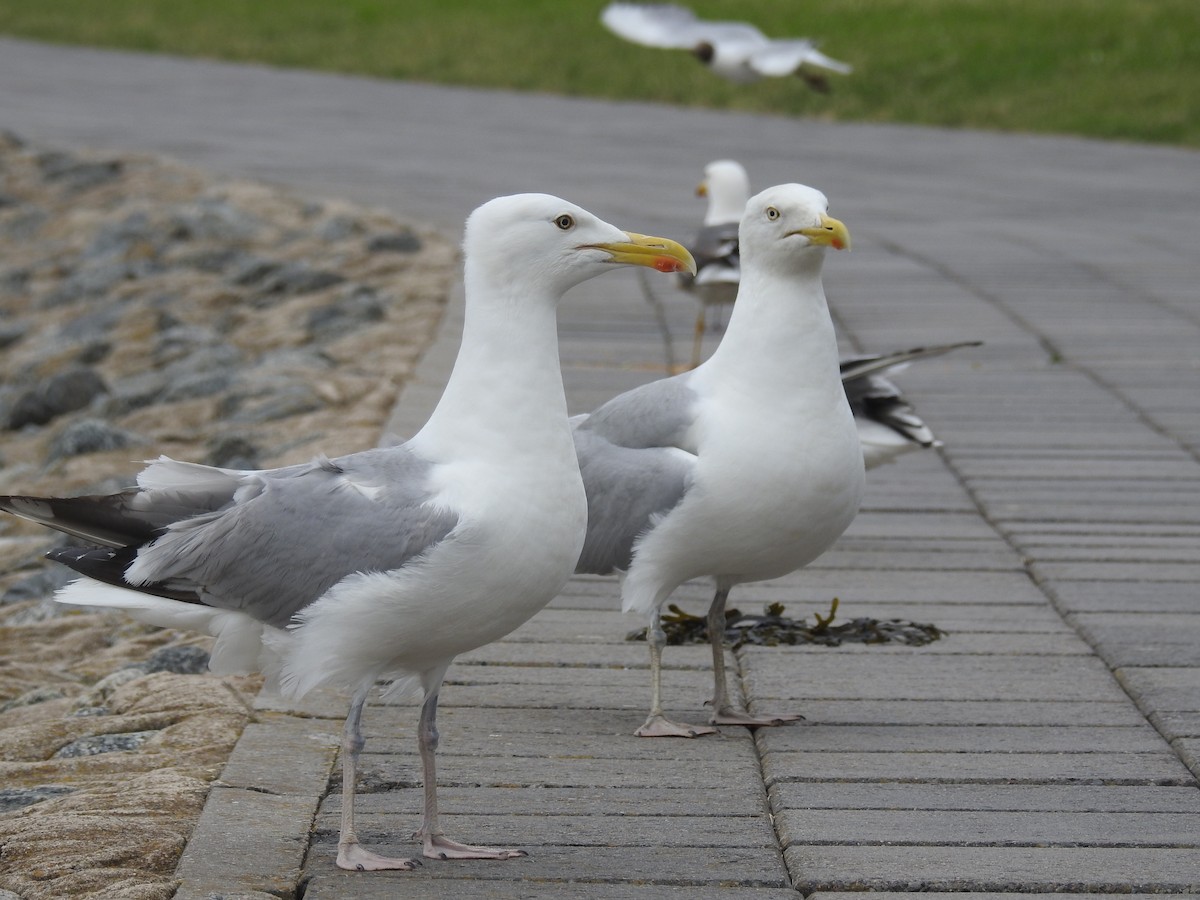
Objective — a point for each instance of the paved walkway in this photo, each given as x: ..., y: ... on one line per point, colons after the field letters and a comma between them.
x: 1050, y: 743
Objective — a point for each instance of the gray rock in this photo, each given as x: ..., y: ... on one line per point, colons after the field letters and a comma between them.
x: 212, y: 218
x: 195, y: 385
x: 11, y: 333
x: 90, y: 279
x: 394, y: 242
x: 349, y: 312
x: 182, y: 660
x: 135, y: 392
x: 38, y: 585
x: 233, y: 451
x: 95, y: 744
x: 64, y: 392
x: 75, y: 174
x: 116, y: 239
x: 270, y: 277
x: 18, y: 798
x: 25, y: 224
x: 338, y: 228
x: 254, y: 407
x: 90, y: 436
x: 33, y: 697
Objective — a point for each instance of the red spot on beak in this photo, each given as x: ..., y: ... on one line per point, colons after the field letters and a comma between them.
x: 666, y: 264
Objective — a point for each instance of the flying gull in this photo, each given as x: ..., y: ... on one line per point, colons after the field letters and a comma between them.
x: 736, y: 51
x: 743, y: 469
x: 384, y: 564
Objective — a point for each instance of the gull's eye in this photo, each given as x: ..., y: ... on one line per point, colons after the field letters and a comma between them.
x: 772, y: 213
x: 565, y: 222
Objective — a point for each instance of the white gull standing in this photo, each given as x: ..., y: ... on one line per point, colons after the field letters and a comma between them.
x: 737, y: 51
x: 888, y: 425
x: 384, y: 564
x: 743, y: 469
x: 715, y: 246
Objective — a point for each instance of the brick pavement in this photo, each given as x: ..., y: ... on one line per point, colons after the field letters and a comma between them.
x: 1050, y: 743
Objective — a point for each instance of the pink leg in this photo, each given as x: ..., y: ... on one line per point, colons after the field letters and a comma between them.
x: 351, y: 854
x: 723, y: 712
x: 657, y: 724
x: 435, y: 844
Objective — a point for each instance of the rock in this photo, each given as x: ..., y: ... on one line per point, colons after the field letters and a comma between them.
x: 34, y: 697
x: 90, y: 436
x: 11, y: 332
x: 77, y: 175
x: 183, y: 659
x: 255, y: 405
x: 395, y: 242
x: 41, y: 583
x: 354, y: 309
x: 135, y: 392
x: 233, y: 452
x: 61, y: 393
x: 96, y: 744
x: 19, y: 798
x: 213, y: 218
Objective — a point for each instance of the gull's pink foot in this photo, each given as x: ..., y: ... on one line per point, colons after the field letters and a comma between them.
x: 436, y: 846
x: 727, y: 715
x: 661, y: 726
x: 354, y: 857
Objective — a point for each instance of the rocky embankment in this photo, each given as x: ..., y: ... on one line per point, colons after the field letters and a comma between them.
x: 148, y: 308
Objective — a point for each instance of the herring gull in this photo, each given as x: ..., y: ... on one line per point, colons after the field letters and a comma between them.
x: 888, y: 425
x: 726, y: 186
x: 384, y: 564
x: 745, y: 468
x: 736, y: 51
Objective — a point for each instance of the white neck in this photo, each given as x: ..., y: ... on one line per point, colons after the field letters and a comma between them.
x: 506, y: 388
x: 780, y: 334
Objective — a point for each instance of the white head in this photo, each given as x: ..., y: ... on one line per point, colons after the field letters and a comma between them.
x: 787, y: 227
x: 544, y: 243
x: 727, y: 187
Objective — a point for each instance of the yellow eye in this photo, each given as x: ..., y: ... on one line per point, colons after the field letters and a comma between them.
x: 565, y: 222
x: 772, y: 213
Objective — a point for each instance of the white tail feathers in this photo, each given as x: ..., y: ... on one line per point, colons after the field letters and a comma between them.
x: 238, y: 649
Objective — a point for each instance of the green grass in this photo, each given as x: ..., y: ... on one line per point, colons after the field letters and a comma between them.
x: 1126, y: 69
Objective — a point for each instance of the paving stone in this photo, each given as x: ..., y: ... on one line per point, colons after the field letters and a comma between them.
x: 988, y: 828
x: 340, y: 887
x: 993, y: 869
x: 1163, y: 689
x: 959, y: 739
x: 1162, y: 768
x: 246, y: 840
x: 543, y: 830
x: 727, y: 798
x: 704, y: 866
x: 968, y: 712
x: 927, y: 677
x: 1048, y: 798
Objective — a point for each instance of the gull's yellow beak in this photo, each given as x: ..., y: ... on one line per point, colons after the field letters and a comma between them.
x: 830, y: 233
x: 702, y: 189
x: 659, y: 253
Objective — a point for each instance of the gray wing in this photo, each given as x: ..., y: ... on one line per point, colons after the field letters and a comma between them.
x: 856, y: 366
x: 271, y: 542
x: 873, y: 396
x: 876, y: 398
x: 658, y: 414
x: 715, y: 249
x: 627, y: 491
x: 636, y: 462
